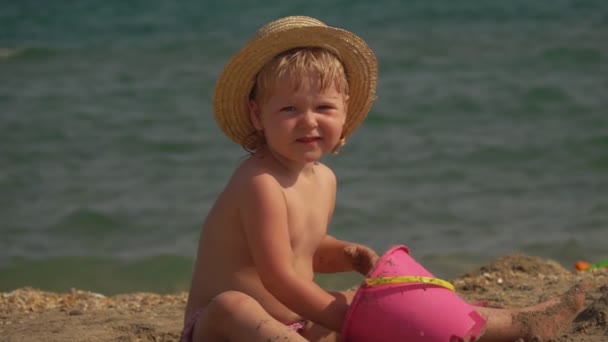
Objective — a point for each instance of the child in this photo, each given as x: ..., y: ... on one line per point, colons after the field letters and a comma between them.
x: 293, y: 94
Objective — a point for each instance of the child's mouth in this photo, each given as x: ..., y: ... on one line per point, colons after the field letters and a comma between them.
x: 308, y: 140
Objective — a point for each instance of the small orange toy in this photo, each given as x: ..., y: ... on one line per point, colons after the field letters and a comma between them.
x: 585, y: 266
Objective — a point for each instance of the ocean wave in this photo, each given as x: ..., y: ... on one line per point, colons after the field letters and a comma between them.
x: 88, y: 223
x: 7, y: 53
x: 10, y: 53
x: 107, y: 275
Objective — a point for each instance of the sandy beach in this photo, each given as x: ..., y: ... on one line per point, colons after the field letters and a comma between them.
x: 31, y: 315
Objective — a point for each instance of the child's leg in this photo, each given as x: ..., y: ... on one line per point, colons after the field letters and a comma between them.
x: 237, y: 317
x: 546, y: 320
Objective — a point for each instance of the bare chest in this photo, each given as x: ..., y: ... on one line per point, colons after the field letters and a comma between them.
x: 308, y: 213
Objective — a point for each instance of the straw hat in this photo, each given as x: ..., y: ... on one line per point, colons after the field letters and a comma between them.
x: 231, y: 94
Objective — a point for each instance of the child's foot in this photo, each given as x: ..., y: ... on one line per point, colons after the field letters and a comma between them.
x: 552, y: 318
x: 593, y: 318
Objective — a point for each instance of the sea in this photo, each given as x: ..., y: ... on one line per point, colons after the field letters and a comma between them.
x: 489, y: 136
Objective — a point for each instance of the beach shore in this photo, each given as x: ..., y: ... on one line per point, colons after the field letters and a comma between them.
x: 31, y: 315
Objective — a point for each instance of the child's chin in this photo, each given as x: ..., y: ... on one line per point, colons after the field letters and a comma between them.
x: 313, y: 156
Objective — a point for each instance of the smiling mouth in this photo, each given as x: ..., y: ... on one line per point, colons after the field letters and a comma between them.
x: 307, y: 140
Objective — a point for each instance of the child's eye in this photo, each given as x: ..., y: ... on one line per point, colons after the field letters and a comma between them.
x: 288, y: 109
x: 325, y: 108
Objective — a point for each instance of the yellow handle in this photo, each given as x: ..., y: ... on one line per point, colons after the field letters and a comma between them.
x: 408, y: 279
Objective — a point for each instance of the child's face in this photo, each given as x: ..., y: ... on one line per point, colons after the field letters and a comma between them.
x: 301, y: 122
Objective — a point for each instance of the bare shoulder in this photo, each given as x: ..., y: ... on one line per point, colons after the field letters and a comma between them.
x: 254, y: 167
x: 250, y: 175
x: 326, y: 174
x: 256, y: 174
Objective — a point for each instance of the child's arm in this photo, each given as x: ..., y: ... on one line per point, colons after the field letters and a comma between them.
x: 335, y: 255
x: 264, y: 214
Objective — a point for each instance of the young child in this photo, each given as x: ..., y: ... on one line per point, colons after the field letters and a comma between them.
x: 293, y: 94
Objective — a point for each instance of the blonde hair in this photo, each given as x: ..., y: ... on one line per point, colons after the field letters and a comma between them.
x: 322, y: 63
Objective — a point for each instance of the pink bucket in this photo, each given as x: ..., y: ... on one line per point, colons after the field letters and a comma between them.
x: 402, y: 301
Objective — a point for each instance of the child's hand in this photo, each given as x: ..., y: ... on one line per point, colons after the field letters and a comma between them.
x: 363, y: 258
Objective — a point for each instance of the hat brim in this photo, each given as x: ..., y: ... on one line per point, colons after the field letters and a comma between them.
x: 231, y: 93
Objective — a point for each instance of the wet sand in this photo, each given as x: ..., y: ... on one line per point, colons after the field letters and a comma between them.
x: 31, y: 315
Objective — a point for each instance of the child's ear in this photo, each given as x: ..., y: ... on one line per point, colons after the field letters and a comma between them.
x: 346, y: 98
x: 254, y: 115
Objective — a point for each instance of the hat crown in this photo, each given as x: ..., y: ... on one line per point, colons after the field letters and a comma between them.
x: 287, y: 23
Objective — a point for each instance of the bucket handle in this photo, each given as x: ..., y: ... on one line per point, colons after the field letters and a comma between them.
x: 408, y: 279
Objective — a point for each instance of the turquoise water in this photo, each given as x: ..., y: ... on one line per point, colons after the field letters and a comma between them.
x: 489, y: 136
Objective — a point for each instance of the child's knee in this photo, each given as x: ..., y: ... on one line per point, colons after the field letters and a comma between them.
x: 220, y: 315
x: 229, y: 303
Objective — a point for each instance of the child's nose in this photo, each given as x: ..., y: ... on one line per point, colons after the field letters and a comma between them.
x: 309, y: 119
